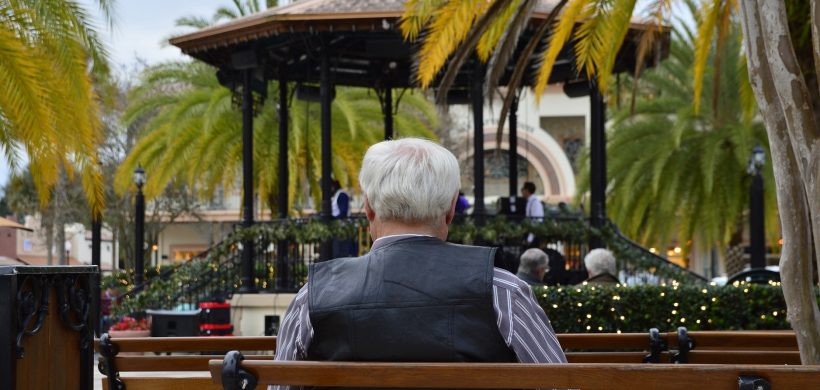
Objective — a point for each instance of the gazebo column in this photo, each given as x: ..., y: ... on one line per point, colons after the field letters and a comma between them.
x: 247, y: 278
x: 282, y: 274
x: 387, y: 111
x: 325, y: 98
x: 597, y: 162
x: 96, y: 241
x: 477, y: 97
x: 513, y: 148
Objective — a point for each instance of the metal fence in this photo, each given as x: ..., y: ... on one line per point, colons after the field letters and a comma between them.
x: 284, y: 250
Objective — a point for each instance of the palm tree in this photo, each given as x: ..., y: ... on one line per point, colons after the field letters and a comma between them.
x: 191, y: 131
x: 49, y: 109
x: 678, y: 173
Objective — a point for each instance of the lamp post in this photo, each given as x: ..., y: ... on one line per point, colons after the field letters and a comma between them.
x: 757, y: 232
x: 139, y: 227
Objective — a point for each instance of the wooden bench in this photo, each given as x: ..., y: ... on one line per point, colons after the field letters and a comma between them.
x: 158, y: 371
x: 180, y: 372
x: 235, y: 373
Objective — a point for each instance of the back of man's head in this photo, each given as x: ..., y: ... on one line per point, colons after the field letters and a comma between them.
x: 410, y: 180
x: 530, y: 187
x: 533, y: 262
x: 599, y: 261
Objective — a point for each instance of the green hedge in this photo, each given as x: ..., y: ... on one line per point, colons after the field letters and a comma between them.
x: 583, y: 309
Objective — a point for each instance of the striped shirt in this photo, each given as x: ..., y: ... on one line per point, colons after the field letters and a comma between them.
x: 520, y: 320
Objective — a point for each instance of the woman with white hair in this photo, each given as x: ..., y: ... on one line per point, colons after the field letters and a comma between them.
x: 600, y: 264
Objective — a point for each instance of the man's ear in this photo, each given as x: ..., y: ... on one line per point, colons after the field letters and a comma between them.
x: 452, y: 213
x: 368, y: 211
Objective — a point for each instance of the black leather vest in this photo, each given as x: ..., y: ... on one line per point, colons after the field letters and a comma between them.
x: 416, y: 300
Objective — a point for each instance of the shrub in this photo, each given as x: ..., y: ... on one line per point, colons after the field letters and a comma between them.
x: 587, y: 308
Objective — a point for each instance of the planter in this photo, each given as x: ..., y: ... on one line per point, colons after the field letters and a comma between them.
x: 127, y: 334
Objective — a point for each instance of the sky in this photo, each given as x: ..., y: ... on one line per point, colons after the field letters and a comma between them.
x: 141, y: 31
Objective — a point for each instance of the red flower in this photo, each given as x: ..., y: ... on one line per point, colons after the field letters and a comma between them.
x: 130, y: 323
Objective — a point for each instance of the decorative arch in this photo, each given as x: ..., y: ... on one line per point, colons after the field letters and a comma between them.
x: 544, y: 154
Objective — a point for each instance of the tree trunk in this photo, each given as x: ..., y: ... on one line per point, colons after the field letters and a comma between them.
x: 49, y: 224
x: 785, y: 105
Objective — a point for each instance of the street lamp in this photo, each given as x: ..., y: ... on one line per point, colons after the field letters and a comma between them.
x: 757, y: 229
x: 139, y: 227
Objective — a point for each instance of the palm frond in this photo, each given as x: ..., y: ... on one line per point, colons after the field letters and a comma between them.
x: 559, y: 36
x: 448, y: 29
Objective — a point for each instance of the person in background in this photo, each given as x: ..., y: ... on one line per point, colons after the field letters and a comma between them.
x: 414, y: 296
x: 600, y: 264
x: 462, y: 204
x: 533, y: 266
x: 556, y: 269
x: 534, y: 207
x: 340, y: 202
x: 340, y: 209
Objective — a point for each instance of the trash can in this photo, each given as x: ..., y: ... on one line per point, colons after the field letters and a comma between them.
x: 169, y: 323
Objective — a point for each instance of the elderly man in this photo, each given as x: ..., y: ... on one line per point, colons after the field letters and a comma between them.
x: 415, y: 297
x: 533, y: 265
x: 600, y: 264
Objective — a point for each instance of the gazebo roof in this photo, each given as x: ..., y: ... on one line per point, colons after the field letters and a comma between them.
x: 362, y: 38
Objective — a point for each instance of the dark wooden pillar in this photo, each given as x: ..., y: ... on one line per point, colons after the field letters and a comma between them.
x: 597, y: 162
x: 387, y: 111
x: 247, y: 275
x: 477, y: 97
x: 513, y: 142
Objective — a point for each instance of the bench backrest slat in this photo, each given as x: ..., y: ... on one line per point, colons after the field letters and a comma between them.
x: 172, y: 363
x: 610, y: 341
x: 518, y: 376
x: 165, y: 383
x: 740, y: 340
x: 192, y: 344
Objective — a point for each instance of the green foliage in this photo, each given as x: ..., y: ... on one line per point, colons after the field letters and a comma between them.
x: 49, y: 108
x: 587, y: 308
x: 678, y: 174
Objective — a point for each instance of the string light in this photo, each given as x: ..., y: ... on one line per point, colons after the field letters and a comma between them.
x: 703, y: 308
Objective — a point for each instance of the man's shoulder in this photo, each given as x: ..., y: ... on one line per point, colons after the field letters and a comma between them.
x: 508, y: 281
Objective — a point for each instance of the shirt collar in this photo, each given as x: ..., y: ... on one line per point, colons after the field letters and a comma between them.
x: 384, y: 240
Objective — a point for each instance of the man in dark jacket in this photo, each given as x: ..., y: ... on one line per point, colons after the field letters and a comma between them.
x: 415, y: 297
x: 600, y: 265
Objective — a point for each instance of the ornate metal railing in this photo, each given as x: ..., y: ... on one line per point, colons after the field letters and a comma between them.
x: 284, y: 249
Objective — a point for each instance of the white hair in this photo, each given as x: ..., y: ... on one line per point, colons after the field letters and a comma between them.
x: 598, y: 261
x: 411, y: 180
x: 532, y: 259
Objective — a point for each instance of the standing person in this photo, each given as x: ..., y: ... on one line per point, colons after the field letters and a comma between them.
x: 414, y: 296
x: 534, y: 207
x: 340, y: 209
x: 340, y: 202
x: 600, y: 265
x: 533, y: 266
x: 534, y: 210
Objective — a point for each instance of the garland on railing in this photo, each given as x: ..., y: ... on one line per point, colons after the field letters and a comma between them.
x: 496, y: 230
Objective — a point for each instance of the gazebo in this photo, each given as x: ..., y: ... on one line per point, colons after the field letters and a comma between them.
x: 358, y: 43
